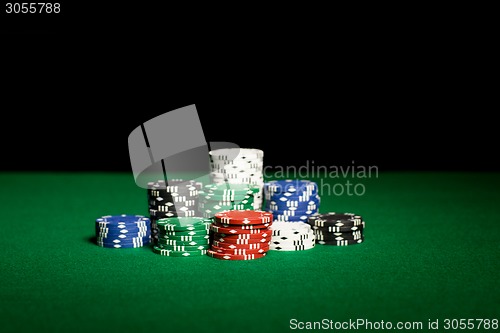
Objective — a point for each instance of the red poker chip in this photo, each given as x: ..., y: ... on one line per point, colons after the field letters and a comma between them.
x: 238, y: 251
x: 238, y: 231
x: 225, y: 256
x: 242, y: 241
x: 232, y: 246
x: 243, y: 217
x: 266, y: 234
x: 244, y: 227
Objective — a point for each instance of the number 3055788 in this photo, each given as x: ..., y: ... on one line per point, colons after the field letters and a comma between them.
x: 32, y: 8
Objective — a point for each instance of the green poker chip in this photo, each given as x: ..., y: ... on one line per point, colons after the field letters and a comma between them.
x: 184, y: 247
x: 183, y: 223
x: 201, y: 232
x: 164, y: 241
x: 185, y: 238
x: 171, y: 253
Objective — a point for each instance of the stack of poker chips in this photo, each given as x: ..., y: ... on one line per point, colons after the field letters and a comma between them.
x: 291, y: 200
x: 292, y: 236
x: 122, y: 231
x: 240, y: 235
x: 338, y: 229
x: 239, y: 166
x: 183, y: 236
x: 178, y: 198
x: 217, y: 198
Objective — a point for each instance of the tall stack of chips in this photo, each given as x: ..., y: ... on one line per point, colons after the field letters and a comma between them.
x: 178, y: 198
x: 291, y: 200
x: 338, y: 229
x: 217, y: 198
x: 239, y: 166
x: 240, y: 235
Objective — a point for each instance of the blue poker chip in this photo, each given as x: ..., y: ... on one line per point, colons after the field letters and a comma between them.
x: 104, y: 235
x: 292, y: 186
x: 123, y: 240
x: 122, y: 233
x: 274, y: 207
x: 291, y: 199
x: 285, y: 218
x: 122, y: 225
x: 134, y: 244
x: 286, y: 203
x: 300, y: 197
x: 127, y: 243
x: 122, y: 230
x: 119, y: 226
x: 124, y: 220
x: 124, y: 246
x: 293, y: 212
x: 292, y: 216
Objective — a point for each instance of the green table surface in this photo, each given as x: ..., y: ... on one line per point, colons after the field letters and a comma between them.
x: 432, y: 251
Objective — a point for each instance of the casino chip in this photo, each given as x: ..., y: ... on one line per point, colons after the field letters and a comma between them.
x: 185, y: 247
x: 243, y: 241
x: 219, y: 236
x: 183, y: 236
x: 337, y: 229
x: 238, y: 231
x: 164, y: 241
x: 236, y: 168
x: 240, y: 235
x: 285, y: 203
x: 340, y: 229
x: 172, y: 253
x: 244, y: 227
x: 291, y: 200
x: 122, y: 231
x: 184, y: 224
x: 220, y: 197
x: 172, y: 199
x: 342, y: 242
x: 338, y: 235
x: 231, y: 246
x: 243, y: 217
x: 291, y: 236
x: 225, y: 250
x: 229, y: 256
x: 293, y: 187
x: 335, y: 220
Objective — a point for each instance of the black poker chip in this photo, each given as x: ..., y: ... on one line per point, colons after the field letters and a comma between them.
x: 329, y: 236
x: 344, y: 242
x: 335, y: 220
x: 333, y: 229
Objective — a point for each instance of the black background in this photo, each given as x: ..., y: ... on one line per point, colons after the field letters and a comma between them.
x: 377, y: 94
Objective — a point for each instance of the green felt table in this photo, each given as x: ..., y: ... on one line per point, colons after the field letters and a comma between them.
x: 431, y: 252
